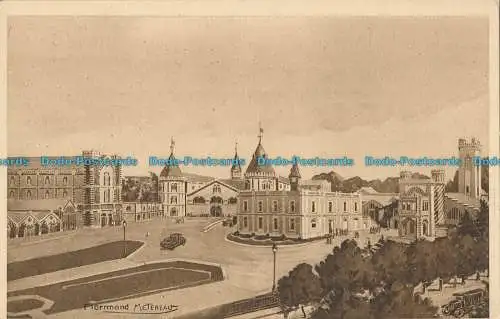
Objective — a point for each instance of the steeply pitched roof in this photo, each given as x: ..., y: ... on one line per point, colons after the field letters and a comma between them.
x: 254, y: 167
x: 171, y: 170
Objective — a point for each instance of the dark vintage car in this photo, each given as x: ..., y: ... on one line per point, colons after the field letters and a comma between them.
x: 227, y: 222
x: 464, y: 303
x: 173, y: 241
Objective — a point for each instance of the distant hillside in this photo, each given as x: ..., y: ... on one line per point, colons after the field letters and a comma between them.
x: 339, y: 184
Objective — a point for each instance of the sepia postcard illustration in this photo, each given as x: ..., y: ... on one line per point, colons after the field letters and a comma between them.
x: 246, y: 164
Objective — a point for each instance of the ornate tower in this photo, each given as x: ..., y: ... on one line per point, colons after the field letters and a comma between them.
x: 236, y: 168
x: 172, y: 187
x: 260, y: 176
x: 102, y: 199
x: 438, y: 177
x: 294, y: 177
x: 469, y: 175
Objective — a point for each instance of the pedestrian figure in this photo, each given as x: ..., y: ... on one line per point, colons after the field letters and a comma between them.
x: 147, y: 234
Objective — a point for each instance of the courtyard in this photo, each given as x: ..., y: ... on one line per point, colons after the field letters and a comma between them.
x: 248, y: 270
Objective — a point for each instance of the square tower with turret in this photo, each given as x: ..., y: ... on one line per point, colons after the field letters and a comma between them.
x: 469, y: 174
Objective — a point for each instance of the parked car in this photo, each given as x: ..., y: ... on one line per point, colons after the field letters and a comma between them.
x: 227, y: 222
x: 173, y: 241
x: 464, y: 303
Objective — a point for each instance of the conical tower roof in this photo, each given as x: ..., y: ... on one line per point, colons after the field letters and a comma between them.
x: 294, y: 171
x: 236, y: 161
x: 172, y: 170
x: 253, y: 167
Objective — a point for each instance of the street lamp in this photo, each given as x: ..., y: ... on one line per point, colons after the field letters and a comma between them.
x: 275, y: 249
x: 124, y: 241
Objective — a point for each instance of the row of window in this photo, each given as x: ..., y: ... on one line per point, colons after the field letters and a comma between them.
x: 214, y: 200
x: 47, y: 180
x: 411, y: 206
x: 260, y: 206
x: 29, y: 195
x: 454, y: 213
x: 173, y: 187
x: 275, y: 223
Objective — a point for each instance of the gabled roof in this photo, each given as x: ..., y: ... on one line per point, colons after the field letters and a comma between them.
x: 236, y: 183
x: 37, y: 204
x: 19, y: 217
x: 217, y: 181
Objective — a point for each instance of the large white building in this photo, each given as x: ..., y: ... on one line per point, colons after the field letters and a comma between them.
x: 270, y: 205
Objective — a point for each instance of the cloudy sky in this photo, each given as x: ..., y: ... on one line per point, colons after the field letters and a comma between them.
x: 323, y: 87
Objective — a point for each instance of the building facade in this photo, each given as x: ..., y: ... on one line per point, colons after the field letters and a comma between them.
x: 269, y: 206
x: 421, y: 206
x: 94, y: 190
x: 38, y: 217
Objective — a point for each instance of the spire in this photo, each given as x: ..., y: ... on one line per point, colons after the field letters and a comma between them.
x: 261, y: 133
x: 172, y: 145
x: 236, y: 168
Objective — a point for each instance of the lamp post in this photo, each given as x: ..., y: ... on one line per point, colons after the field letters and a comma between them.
x: 275, y: 249
x: 124, y: 241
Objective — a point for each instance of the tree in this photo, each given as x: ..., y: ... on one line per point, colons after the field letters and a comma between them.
x: 399, y: 302
x: 390, y: 264
x: 422, y: 263
x: 300, y: 287
x: 467, y: 227
x: 346, y: 269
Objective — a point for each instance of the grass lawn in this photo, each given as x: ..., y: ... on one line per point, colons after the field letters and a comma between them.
x: 23, y: 305
x: 124, y: 284
x: 72, y: 259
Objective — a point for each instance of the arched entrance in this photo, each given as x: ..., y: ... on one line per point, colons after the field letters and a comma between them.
x: 409, y: 227
x: 215, y: 211
x: 216, y: 206
x: 345, y: 224
x: 425, y: 228
x: 45, y: 228
x: 173, y: 211
x: 104, y: 220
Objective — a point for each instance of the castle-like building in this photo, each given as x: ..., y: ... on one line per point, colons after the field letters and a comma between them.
x: 425, y: 210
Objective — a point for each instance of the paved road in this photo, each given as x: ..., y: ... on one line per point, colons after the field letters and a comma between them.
x: 248, y: 269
